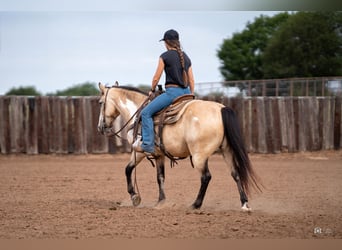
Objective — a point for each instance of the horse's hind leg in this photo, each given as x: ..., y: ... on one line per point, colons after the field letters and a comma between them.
x: 161, y: 177
x: 243, y: 197
x: 134, y: 161
x: 205, y: 179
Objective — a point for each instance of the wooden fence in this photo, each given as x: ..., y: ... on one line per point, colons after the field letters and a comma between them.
x: 43, y: 125
x: 289, y: 124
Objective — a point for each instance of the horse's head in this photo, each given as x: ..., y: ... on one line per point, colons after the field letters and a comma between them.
x: 108, y: 111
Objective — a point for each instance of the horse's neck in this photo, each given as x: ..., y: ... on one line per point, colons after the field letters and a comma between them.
x: 128, y: 107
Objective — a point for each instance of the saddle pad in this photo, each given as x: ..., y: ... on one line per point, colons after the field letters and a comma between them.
x: 171, y: 114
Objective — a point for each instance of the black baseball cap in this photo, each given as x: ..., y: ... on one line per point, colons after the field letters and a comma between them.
x: 170, y: 35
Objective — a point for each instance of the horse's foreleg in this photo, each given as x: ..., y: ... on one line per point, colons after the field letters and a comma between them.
x: 205, y: 179
x: 243, y: 196
x: 130, y: 188
x: 161, y: 177
x: 135, y: 160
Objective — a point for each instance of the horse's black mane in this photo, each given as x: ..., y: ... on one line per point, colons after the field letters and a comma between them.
x: 130, y: 88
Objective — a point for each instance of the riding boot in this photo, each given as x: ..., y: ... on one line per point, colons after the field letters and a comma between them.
x: 137, y: 145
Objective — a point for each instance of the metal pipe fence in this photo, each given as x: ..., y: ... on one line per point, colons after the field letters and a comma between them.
x: 318, y: 86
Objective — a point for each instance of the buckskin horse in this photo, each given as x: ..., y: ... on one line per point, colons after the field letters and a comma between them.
x: 202, y: 128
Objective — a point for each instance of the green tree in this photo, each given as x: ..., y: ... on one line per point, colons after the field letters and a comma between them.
x: 241, y: 55
x: 309, y: 44
x: 83, y: 89
x: 29, y: 90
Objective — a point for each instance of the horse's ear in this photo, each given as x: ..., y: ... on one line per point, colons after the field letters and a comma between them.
x: 102, y: 87
x: 116, y: 83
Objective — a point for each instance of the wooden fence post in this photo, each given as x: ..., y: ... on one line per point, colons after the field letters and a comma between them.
x: 16, y: 120
x: 338, y: 123
x: 32, y: 120
x: 64, y: 123
x: 79, y: 120
x: 328, y: 110
x: 272, y: 129
x: 247, y: 125
x: 5, y: 129
x: 254, y: 122
x: 100, y: 142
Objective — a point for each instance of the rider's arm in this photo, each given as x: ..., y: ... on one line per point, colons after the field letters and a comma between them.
x: 158, y: 74
x: 191, y: 80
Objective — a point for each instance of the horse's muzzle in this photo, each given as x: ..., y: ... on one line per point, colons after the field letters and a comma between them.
x: 102, y: 128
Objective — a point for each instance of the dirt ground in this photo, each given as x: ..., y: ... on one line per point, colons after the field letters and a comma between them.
x: 84, y: 196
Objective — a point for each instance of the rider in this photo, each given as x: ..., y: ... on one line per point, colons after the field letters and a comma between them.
x: 179, y: 80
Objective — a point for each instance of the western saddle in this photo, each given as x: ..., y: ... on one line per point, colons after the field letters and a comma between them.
x: 166, y: 116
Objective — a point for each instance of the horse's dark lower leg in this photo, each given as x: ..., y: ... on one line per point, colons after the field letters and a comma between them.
x: 136, y: 158
x: 161, y: 177
x: 130, y: 188
x: 205, y: 179
x: 243, y: 196
x: 129, y: 169
x: 236, y: 177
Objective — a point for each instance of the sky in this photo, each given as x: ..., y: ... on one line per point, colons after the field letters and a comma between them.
x: 53, y: 49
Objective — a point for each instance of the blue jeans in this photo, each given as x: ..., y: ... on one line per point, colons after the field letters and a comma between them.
x: 157, y: 104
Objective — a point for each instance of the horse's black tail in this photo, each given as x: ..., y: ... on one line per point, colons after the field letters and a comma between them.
x: 238, y: 150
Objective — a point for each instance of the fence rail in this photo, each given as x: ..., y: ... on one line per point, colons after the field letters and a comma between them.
x: 43, y: 125
x: 317, y: 86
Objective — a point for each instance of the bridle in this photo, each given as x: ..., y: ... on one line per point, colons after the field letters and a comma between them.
x: 129, y: 120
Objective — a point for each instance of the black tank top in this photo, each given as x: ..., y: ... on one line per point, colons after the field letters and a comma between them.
x: 173, y: 67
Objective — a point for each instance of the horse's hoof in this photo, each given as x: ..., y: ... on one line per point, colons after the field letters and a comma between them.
x: 195, y: 206
x: 246, y: 208
x: 160, y: 204
x: 136, y: 200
